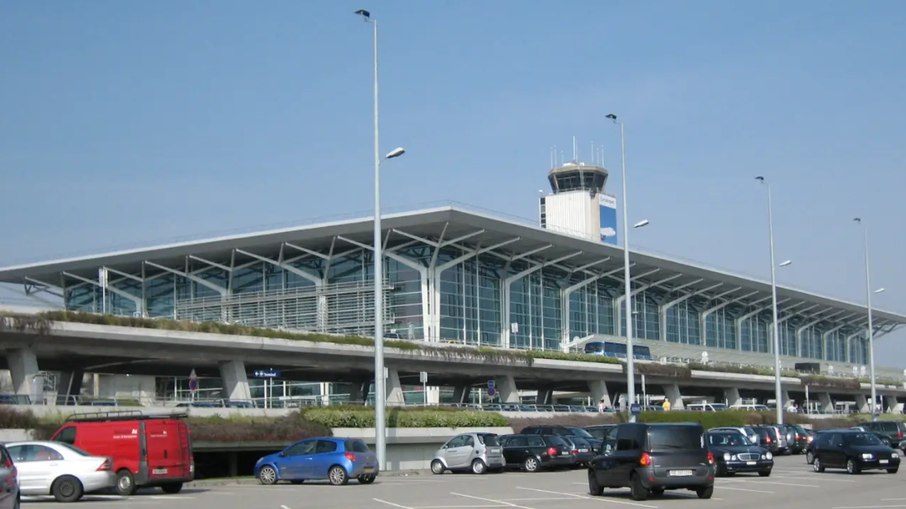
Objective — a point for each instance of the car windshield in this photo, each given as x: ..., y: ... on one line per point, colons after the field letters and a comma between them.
x: 579, y: 432
x: 861, y: 439
x: 731, y: 439
x: 72, y: 448
x: 662, y: 438
x: 490, y: 440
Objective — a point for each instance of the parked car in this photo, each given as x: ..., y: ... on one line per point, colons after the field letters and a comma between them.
x: 893, y: 430
x: 734, y: 453
x: 567, y: 431
x: 332, y: 458
x: 147, y: 450
x: 580, y: 450
x: 855, y: 451
x: 478, y: 452
x: 767, y: 437
x: 61, y: 470
x: 535, y: 452
x: 795, y: 442
x: 9, y: 481
x: 748, y: 431
x: 706, y: 407
x: 600, y: 431
x: 651, y: 458
x: 885, y: 439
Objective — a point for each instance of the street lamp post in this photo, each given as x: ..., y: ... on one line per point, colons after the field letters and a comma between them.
x: 778, y: 391
x: 630, y: 364
x: 871, y: 346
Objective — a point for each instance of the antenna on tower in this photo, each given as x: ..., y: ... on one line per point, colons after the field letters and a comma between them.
x: 593, y: 161
x: 550, y: 153
x: 575, y: 150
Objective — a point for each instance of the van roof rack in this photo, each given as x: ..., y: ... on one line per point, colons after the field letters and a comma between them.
x: 124, y: 415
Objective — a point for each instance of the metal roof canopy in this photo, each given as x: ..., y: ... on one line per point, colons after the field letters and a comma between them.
x: 476, y: 230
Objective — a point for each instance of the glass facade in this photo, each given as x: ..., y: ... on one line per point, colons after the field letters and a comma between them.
x: 451, y: 295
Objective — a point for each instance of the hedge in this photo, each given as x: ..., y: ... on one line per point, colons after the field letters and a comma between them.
x: 662, y: 370
x: 12, y: 418
x: 289, y: 428
x: 563, y: 356
x: 830, y: 382
x: 359, y: 417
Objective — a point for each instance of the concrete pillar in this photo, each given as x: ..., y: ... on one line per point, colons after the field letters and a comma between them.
x: 506, y: 387
x: 23, y: 366
x: 598, y: 391
x: 672, y: 393
x: 357, y: 391
x: 731, y: 394
x: 233, y: 464
x: 394, y: 389
x: 826, y: 403
x: 325, y: 393
x: 235, y: 382
x: 69, y: 383
x: 433, y: 395
x: 785, y: 396
x: 545, y: 396
x: 862, y: 403
x: 461, y: 393
x: 893, y: 404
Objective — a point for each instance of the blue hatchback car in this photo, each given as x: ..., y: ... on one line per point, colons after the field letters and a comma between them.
x: 331, y: 458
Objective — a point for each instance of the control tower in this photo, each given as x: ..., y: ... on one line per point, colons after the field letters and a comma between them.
x: 578, y: 205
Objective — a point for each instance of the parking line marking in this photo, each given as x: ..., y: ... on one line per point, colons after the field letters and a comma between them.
x: 585, y: 497
x: 283, y: 507
x: 867, y: 506
x: 775, y: 482
x: 892, y: 499
x: 540, y: 499
x: 745, y: 489
x: 392, y: 504
x: 491, y: 500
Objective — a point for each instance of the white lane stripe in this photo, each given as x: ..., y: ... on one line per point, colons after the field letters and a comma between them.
x: 602, y: 499
x: 774, y: 482
x: 392, y: 504
x: 169, y: 497
x: 867, y: 506
x: 283, y: 507
x: 744, y: 489
x: 508, y: 504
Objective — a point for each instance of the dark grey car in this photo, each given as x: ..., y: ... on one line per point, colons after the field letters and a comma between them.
x: 9, y: 482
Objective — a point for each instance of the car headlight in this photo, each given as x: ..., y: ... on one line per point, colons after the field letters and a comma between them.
x: 769, y: 455
x: 726, y: 456
x: 894, y: 455
x: 866, y: 455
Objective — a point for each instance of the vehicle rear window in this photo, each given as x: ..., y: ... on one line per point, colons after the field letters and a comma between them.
x: 555, y: 440
x: 4, y: 457
x: 579, y: 432
x: 861, y: 439
x: 490, y: 440
x: 356, y: 446
x: 674, y: 438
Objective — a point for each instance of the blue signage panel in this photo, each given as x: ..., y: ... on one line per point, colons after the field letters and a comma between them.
x: 635, y: 409
x: 608, y: 218
x: 492, y: 384
x: 266, y: 373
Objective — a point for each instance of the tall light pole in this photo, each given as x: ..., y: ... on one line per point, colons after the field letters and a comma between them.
x: 871, y: 345
x: 630, y: 364
x: 778, y: 391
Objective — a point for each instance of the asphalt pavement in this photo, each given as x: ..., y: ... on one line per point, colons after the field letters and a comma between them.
x: 793, y: 484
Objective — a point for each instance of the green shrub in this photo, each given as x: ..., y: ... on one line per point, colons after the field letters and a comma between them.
x: 289, y: 428
x: 663, y: 370
x: 362, y: 417
x: 562, y: 356
x: 13, y: 418
x: 830, y: 382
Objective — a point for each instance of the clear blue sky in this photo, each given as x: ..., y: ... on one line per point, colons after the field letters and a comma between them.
x: 128, y: 123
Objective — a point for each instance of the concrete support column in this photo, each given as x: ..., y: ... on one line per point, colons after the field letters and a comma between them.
x: 894, y: 406
x: 862, y: 403
x: 357, y: 391
x: 69, y: 383
x: 827, y: 404
x: 461, y: 393
x: 598, y: 391
x: 325, y: 393
x: 731, y: 394
x: 785, y: 396
x: 545, y: 396
x: 233, y: 464
x: 235, y: 382
x: 672, y: 393
x: 394, y: 388
x: 433, y: 395
x: 506, y: 387
x: 23, y: 366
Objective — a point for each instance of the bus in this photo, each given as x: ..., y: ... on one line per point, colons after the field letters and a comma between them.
x: 611, y: 349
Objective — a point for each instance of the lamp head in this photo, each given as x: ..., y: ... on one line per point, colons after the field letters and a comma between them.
x: 760, y: 179
x: 786, y: 263
x: 640, y: 224
x: 611, y: 116
x: 398, y: 151
x: 880, y: 290
x: 363, y: 13
x: 858, y: 220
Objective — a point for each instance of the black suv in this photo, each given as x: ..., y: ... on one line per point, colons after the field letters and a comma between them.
x: 534, y: 452
x: 651, y: 458
x: 894, y: 431
x: 597, y: 444
x: 853, y: 450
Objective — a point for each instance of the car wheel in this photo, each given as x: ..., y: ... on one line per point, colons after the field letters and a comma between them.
x: 892, y: 470
x: 337, y: 475
x: 637, y: 491
x: 594, y: 488
x: 478, y: 467
x: 171, y: 487
x: 809, y: 457
x: 764, y: 473
x: 125, y: 483
x: 437, y: 467
x: 656, y: 492
x: 705, y: 492
x: 267, y: 475
x: 851, y: 466
x: 366, y: 478
x: 531, y: 464
x: 817, y: 465
x: 66, y: 489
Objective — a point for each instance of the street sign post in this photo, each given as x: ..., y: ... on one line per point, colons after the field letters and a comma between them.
x: 423, y: 378
x: 266, y: 373
x: 635, y: 409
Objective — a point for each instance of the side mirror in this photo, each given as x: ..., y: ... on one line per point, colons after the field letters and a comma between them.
x: 282, y: 453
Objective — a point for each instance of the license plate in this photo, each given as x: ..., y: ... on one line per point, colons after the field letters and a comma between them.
x: 583, y: 450
x: 368, y: 470
x: 680, y: 473
x: 159, y: 471
x: 494, y: 450
x: 884, y: 462
x: 751, y: 463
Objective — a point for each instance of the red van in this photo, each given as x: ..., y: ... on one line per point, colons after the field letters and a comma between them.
x: 147, y: 450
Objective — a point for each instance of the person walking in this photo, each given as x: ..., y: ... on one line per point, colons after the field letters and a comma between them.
x: 666, y: 405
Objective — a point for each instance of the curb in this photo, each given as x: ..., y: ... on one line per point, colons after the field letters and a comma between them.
x: 232, y: 481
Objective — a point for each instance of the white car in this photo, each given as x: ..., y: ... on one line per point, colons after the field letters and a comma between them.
x: 58, y: 469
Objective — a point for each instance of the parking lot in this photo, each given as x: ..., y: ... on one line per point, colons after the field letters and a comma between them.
x: 792, y: 485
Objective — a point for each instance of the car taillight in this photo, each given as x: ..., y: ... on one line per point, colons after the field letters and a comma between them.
x: 551, y: 451
x: 899, y: 435
x: 7, y: 463
x: 645, y: 460
x: 106, y: 465
x: 767, y: 440
x: 350, y: 456
x: 710, y: 458
x: 575, y: 451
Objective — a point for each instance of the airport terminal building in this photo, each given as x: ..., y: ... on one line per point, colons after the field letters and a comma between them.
x: 458, y: 276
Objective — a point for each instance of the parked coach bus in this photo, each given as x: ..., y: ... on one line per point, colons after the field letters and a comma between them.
x: 612, y: 349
